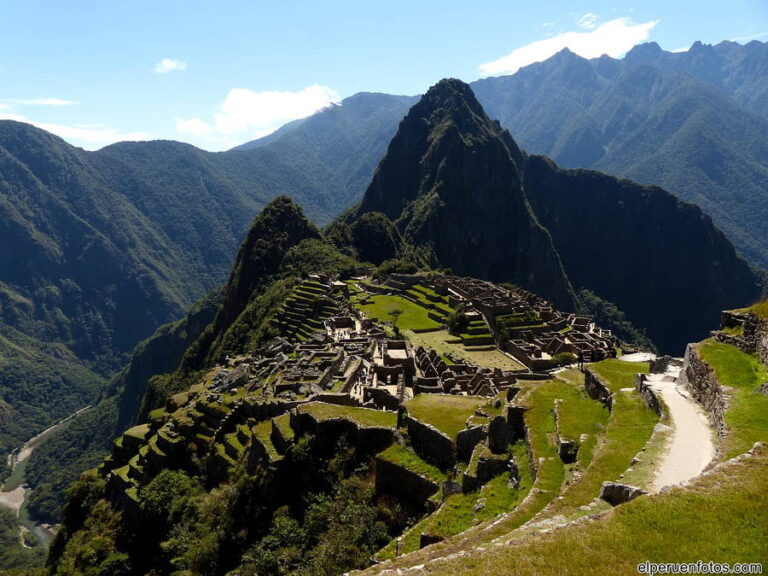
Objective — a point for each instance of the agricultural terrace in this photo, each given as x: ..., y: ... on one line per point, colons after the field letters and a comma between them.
x: 413, y: 316
x: 362, y: 416
x: 448, y: 414
x: 746, y: 417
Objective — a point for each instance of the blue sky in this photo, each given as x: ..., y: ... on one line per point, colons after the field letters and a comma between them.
x: 217, y: 74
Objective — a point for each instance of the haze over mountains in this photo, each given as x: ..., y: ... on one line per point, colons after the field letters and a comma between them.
x: 692, y: 122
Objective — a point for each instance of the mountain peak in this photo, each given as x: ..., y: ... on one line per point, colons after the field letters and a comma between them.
x: 646, y: 52
x: 450, y: 182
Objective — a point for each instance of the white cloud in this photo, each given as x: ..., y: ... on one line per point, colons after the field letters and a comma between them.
x: 194, y: 126
x: 246, y: 115
x: 750, y: 37
x: 56, y: 102
x: 548, y: 24
x: 169, y: 65
x: 588, y: 21
x: 48, y: 102
x: 613, y: 38
x: 679, y: 50
x: 90, y: 137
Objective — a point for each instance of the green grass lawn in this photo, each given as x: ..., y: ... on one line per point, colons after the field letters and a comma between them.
x: 363, y: 416
x: 747, y: 414
x: 414, y: 317
x: 263, y: 431
x: 446, y: 413
x: 629, y: 428
x: 720, y: 518
x: 760, y: 309
x: 442, y: 342
x: 619, y: 374
x: 406, y: 458
x: 579, y: 414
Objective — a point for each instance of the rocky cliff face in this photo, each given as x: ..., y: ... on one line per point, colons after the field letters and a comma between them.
x: 450, y: 182
x: 661, y: 260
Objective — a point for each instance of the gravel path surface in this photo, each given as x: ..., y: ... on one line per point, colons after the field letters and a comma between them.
x: 690, y: 447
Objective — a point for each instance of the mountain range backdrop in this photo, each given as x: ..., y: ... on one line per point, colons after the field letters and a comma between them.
x: 637, y: 185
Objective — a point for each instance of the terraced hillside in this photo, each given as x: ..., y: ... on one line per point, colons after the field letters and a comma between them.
x: 346, y: 438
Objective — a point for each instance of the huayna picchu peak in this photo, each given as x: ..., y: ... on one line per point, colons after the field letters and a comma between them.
x: 463, y: 196
x: 450, y: 182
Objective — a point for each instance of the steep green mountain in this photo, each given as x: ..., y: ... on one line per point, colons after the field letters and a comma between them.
x: 340, y: 146
x: 692, y: 122
x: 659, y: 259
x: 462, y: 195
x: 110, y: 245
x: 42, y: 383
x: 450, y: 183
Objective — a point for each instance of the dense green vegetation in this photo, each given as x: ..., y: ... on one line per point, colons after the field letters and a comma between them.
x: 40, y: 384
x: 79, y: 445
x: 12, y: 553
x: 607, y: 315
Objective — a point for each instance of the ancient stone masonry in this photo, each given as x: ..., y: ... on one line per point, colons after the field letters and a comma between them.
x: 701, y: 381
x: 597, y: 389
x: 527, y: 326
x: 615, y: 493
x: 403, y: 483
x: 567, y: 448
x: 647, y: 393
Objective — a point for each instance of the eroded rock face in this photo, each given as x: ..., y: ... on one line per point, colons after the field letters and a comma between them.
x: 615, y: 493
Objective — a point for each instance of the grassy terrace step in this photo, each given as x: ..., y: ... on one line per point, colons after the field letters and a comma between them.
x: 362, y: 416
x: 727, y: 507
x: 262, y: 432
x: 234, y: 447
x: 745, y: 416
x: 446, y: 413
x: 137, y: 433
x: 619, y: 374
x: 414, y: 317
x: 629, y: 429
x: 534, y: 494
x: 283, y: 426
x: 402, y: 456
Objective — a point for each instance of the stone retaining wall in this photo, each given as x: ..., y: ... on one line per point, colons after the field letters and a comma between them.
x: 701, y: 382
x: 647, y: 393
x: 597, y: 389
x: 466, y: 440
x: 405, y: 484
x: 431, y: 444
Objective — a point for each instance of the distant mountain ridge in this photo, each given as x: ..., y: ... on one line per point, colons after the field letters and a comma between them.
x: 694, y: 123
